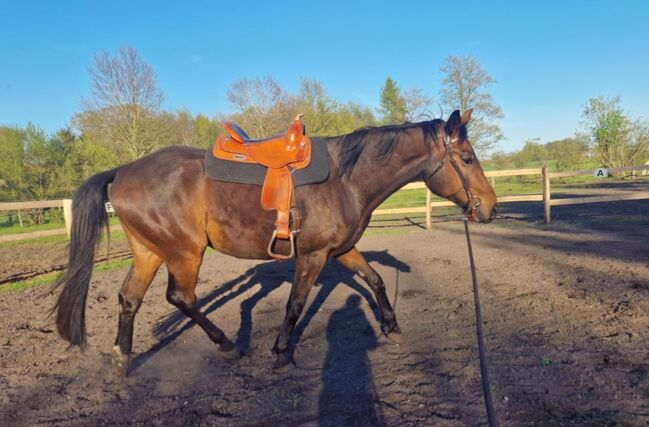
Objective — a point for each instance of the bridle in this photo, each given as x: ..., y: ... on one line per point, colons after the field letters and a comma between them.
x: 474, y: 201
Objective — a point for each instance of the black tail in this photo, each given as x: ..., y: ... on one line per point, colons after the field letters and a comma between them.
x: 88, y: 218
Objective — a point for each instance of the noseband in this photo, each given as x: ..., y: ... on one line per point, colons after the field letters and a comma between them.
x: 474, y: 201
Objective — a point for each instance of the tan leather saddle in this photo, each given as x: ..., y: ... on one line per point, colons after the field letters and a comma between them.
x: 280, y: 154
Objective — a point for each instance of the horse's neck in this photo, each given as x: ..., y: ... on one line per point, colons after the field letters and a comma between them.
x: 371, y: 182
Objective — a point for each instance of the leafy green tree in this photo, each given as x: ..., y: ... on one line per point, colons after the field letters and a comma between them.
x: 465, y: 85
x: 615, y: 139
x: 393, y: 108
x: 532, y: 151
x: 206, y: 130
x: 11, y: 161
x: 567, y: 152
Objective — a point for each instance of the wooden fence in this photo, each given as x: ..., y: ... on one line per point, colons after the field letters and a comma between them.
x: 544, y: 196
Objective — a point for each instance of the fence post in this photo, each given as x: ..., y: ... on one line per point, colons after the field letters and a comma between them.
x: 429, y: 223
x: 67, y: 215
x: 546, y: 195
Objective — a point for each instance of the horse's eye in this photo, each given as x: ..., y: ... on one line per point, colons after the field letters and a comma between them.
x: 467, y: 160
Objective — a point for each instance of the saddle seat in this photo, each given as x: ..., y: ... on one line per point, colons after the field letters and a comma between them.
x: 280, y: 154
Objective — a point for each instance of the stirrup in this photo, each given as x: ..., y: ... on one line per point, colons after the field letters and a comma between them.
x: 276, y: 255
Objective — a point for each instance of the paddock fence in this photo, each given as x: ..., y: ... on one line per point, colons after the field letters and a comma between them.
x: 545, y: 196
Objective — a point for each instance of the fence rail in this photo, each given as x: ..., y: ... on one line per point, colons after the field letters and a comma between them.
x: 544, y: 196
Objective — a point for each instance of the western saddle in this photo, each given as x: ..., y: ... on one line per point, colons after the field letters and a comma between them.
x: 280, y: 154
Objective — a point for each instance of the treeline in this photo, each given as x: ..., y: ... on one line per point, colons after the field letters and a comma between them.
x: 606, y: 136
x: 122, y: 119
x: 564, y: 154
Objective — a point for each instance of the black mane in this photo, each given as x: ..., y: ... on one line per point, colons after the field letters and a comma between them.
x: 381, y: 140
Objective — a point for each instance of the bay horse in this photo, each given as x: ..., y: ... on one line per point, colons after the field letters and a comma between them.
x: 171, y: 212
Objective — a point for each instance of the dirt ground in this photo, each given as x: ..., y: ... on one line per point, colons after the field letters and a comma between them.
x: 566, y: 310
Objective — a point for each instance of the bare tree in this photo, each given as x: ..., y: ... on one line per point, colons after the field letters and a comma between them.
x: 262, y: 103
x: 463, y: 87
x: 125, y: 101
x: 418, y: 104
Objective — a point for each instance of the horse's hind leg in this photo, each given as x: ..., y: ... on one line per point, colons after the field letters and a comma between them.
x: 183, y: 275
x: 144, y: 267
x: 355, y: 261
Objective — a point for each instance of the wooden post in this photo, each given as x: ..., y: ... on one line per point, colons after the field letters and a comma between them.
x: 429, y: 223
x: 67, y: 215
x: 546, y: 195
x: 493, y: 182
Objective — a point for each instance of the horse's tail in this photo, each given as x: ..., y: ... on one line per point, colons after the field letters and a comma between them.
x: 89, y: 216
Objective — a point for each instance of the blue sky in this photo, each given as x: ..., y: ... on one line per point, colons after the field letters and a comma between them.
x: 548, y: 57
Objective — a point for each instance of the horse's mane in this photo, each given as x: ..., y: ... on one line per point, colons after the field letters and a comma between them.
x: 382, y: 140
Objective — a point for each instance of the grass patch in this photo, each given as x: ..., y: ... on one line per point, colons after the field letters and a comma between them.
x: 115, y: 236
x: 13, y: 227
x: 48, y: 279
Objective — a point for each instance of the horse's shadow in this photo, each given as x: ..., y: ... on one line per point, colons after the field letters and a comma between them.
x: 269, y: 275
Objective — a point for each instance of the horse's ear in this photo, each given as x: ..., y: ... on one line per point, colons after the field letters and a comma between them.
x: 453, y: 123
x: 466, y: 116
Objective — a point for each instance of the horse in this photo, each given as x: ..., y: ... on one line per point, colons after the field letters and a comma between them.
x: 171, y: 212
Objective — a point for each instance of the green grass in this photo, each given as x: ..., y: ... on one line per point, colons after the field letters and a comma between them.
x: 59, y: 238
x: 48, y: 279
x: 7, y: 228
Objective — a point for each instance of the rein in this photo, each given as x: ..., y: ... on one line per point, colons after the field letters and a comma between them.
x: 473, y: 203
x: 482, y: 354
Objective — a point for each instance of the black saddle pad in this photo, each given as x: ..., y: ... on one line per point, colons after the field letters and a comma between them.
x: 249, y: 173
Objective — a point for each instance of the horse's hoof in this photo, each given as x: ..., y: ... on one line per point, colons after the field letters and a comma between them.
x: 120, y: 363
x: 395, y: 337
x: 283, y: 360
x: 231, y: 355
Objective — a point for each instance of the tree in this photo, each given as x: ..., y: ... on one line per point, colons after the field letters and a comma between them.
x: 263, y: 106
x: 567, y: 152
x: 11, y: 161
x: 417, y: 104
x: 615, y: 139
x: 393, y: 105
x: 325, y: 117
x: 465, y: 86
x: 125, y: 101
x: 206, y: 130
x: 319, y: 110
x: 532, y: 151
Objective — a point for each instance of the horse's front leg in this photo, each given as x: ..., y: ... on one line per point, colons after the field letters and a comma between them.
x: 307, y: 269
x: 355, y: 261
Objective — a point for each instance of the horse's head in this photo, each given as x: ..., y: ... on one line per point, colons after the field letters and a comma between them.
x: 455, y: 172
